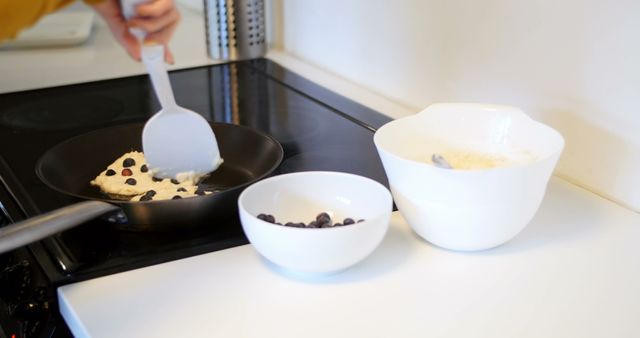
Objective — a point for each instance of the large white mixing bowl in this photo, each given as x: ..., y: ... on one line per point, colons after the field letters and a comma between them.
x: 468, y: 209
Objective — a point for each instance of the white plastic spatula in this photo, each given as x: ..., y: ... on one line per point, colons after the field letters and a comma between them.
x: 175, y: 140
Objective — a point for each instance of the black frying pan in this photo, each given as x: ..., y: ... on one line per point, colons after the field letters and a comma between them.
x: 69, y: 166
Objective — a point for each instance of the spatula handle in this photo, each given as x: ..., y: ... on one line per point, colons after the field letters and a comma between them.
x: 153, y: 59
x: 129, y: 11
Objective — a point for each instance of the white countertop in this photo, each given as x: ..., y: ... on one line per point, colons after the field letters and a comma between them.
x: 573, y: 272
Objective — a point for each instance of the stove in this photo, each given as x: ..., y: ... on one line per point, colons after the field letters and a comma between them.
x: 318, y: 130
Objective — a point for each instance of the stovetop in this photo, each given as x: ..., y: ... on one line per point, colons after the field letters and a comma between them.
x: 318, y: 130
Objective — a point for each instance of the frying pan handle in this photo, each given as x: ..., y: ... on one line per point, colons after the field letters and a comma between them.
x: 45, y: 225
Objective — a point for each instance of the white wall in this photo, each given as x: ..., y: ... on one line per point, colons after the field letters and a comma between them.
x: 574, y: 64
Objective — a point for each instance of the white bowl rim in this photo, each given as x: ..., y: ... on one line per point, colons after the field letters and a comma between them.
x: 379, y: 214
x: 482, y: 106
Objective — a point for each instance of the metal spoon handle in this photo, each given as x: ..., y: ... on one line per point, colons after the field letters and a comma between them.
x: 440, y: 162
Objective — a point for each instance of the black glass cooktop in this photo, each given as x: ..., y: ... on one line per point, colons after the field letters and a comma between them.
x: 318, y: 130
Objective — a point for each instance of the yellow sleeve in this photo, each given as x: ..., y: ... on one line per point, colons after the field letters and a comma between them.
x: 16, y: 15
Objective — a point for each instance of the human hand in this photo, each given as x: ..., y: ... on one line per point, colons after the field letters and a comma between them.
x: 158, y: 18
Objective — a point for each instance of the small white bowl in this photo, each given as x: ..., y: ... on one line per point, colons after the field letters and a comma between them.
x: 468, y: 209
x: 300, y: 197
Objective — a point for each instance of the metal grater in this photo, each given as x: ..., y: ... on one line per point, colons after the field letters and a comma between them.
x: 235, y: 29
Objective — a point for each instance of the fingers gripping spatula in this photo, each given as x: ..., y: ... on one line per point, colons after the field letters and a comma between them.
x: 175, y: 141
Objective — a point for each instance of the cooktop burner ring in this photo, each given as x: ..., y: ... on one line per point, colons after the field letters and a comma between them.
x: 62, y: 113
